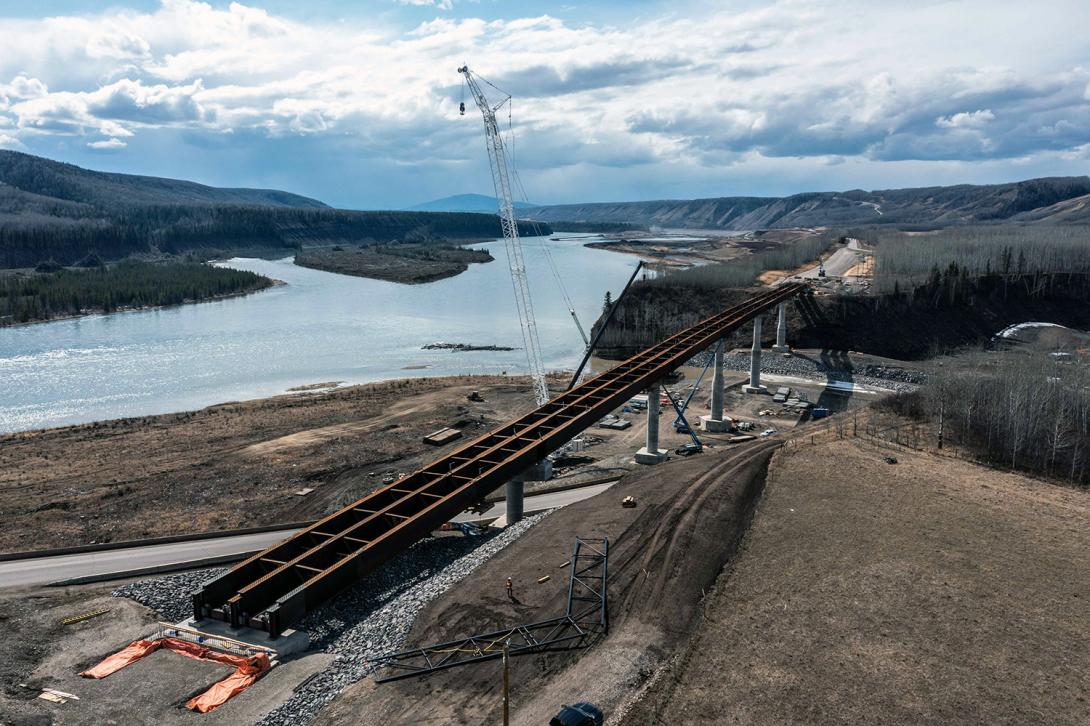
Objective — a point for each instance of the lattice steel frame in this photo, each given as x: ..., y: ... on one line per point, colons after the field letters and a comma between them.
x: 587, y: 614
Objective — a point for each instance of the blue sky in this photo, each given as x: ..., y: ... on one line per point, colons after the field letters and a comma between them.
x: 355, y: 103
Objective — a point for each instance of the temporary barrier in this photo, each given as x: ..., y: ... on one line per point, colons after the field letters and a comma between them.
x: 247, y: 669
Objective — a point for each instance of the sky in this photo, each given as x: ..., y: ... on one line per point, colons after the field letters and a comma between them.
x: 356, y: 102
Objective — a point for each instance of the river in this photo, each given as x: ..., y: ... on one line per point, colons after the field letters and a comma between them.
x: 318, y: 327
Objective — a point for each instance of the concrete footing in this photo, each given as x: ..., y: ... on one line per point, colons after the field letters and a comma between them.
x: 754, y: 389
x: 287, y: 643
x: 715, y: 425
x: 647, y: 456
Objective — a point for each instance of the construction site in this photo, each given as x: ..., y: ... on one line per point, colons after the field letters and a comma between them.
x: 719, y: 528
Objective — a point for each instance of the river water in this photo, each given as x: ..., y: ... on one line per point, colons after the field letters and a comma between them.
x: 318, y: 327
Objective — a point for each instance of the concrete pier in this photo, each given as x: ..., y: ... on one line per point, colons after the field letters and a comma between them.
x: 716, y: 422
x: 516, y: 488
x: 781, y: 330
x: 754, y: 385
x: 651, y: 453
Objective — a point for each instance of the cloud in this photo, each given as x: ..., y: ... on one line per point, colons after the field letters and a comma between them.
x: 7, y: 141
x: 441, y: 4
x: 107, y: 144
x: 965, y: 120
x: 680, y: 90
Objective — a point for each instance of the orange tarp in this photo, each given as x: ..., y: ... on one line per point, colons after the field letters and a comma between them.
x: 247, y: 670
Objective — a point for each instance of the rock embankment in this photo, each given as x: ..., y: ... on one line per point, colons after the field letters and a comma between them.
x: 368, y: 620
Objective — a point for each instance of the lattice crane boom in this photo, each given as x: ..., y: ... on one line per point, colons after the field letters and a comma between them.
x: 501, y: 182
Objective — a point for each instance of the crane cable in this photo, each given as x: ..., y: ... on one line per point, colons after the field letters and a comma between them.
x: 537, y: 230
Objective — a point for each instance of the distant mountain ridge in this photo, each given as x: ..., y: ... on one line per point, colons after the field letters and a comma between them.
x: 481, y: 203
x: 1050, y: 199
x: 60, y: 213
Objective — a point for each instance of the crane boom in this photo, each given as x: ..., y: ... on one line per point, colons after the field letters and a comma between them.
x: 501, y: 182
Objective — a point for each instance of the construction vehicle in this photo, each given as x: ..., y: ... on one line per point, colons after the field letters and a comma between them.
x: 578, y: 714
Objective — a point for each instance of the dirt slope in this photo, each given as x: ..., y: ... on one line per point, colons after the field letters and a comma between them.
x: 663, y: 554
x: 930, y: 591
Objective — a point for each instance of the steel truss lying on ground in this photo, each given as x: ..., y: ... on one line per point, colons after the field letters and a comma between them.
x: 587, y: 615
x: 274, y: 588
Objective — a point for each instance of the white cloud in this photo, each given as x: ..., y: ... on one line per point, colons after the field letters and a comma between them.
x: 441, y: 4
x: 107, y: 144
x: 687, y: 90
x: 965, y: 120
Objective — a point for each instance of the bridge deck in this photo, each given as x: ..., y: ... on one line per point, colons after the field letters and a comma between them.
x: 275, y: 588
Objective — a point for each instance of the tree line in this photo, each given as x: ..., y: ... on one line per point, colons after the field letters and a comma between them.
x: 129, y: 284
x: 743, y: 271
x: 1027, y: 412
x: 905, y: 260
x: 26, y: 240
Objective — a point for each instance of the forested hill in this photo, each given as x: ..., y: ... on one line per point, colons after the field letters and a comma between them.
x: 1048, y: 199
x: 61, y: 213
x: 57, y: 180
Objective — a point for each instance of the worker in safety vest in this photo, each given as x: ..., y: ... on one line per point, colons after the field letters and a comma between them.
x: 510, y: 589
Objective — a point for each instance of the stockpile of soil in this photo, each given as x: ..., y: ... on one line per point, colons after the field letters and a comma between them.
x: 664, y: 554
x: 926, y: 591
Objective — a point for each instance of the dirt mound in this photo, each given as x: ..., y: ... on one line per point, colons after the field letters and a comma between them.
x: 664, y: 554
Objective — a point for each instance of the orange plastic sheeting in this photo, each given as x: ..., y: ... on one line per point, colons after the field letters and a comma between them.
x: 130, y: 654
x: 230, y: 686
x: 247, y: 670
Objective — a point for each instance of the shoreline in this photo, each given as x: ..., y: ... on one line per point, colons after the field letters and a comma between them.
x: 273, y: 282
x: 314, y: 389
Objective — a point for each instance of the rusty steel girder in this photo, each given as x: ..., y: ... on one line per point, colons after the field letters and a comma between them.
x: 274, y: 588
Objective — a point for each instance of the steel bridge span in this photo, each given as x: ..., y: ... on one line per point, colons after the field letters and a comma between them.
x: 275, y: 588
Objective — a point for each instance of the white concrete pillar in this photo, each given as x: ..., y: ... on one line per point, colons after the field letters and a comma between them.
x: 715, y: 422
x: 651, y: 453
x: 653, y: 414
x: 755, y: 361
x: 781, y: 330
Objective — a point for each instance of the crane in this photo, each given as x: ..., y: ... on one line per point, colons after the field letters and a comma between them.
x: 502, y: 173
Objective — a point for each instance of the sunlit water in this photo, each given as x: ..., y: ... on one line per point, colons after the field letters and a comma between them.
x: 319, y: 327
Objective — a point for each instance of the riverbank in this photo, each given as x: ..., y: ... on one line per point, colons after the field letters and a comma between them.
x: 67, y: 293
x: 412, y: 264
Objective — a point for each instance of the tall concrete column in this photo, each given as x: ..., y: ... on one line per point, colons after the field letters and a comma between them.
x: 651, y: 453
x: 515, y: 490
x: 716, y: 422
x: 781, y: 330
x: 755, y: 361
x: 516, y: 487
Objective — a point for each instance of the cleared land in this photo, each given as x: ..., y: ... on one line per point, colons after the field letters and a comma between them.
x: 930, y: 591
x: 407, y: 263
x: 234, y: 464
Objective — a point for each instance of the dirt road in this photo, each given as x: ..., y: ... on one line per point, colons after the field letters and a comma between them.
x: 663, y: 554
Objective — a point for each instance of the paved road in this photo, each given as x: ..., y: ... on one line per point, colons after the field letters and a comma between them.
x: 43, y: 570
x: 838, y: 263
